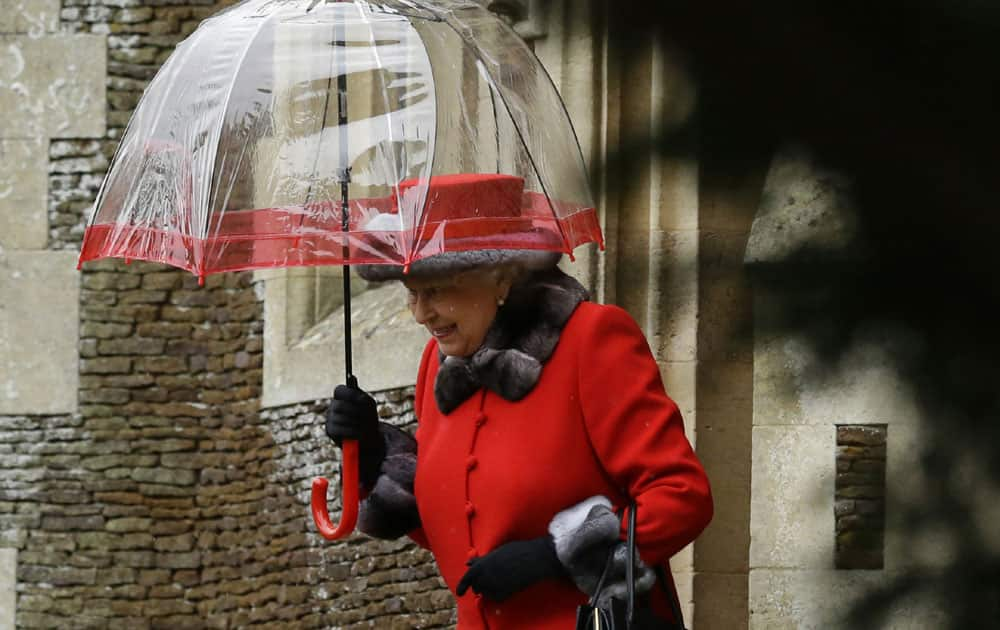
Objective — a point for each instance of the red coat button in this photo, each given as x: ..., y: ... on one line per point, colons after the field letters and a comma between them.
x: 471, y: 462
x: 480, y: 419
x: 472, y: 555
x: 470, y: 510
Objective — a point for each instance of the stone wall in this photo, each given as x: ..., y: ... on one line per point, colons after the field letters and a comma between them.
x: 170, y: 500
x: 860, y: 496
x: 385, y: 584
x: 820, y: 515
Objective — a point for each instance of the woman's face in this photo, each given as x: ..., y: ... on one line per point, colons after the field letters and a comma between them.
x: 457, y: 310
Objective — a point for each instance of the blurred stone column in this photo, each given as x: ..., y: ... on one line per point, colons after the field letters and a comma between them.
x: 8, y: 587
x: 46, y: 93
x: 649, y: 205
x: 728, y: 198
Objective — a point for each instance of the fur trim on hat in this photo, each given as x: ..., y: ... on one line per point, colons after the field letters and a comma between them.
x: 390, y: 509
x: 454, y: 262
x: 587, y: 542
x: 517, y: 344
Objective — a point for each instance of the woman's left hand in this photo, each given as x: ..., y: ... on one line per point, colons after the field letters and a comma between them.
x: 510, y: 568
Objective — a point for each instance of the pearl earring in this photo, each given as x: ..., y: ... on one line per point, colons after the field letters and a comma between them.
x: 500, y: 301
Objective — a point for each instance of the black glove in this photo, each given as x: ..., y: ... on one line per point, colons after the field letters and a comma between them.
x: 510, y: 568
x: 353, y: 415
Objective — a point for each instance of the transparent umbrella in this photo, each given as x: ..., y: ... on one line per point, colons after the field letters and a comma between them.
x: 308, y: 132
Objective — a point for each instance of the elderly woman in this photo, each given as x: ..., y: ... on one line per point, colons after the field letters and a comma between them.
x: 541, y: 415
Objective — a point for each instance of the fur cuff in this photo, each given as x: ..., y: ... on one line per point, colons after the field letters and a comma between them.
x: 587, y: 544
x: 390, y: 509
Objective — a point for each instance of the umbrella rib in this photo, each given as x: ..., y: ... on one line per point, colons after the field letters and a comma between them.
x: 417, y: 235
x: 217, y: 131
x: 385, y: 98
x: 195, y: 37
x: 520, y: 135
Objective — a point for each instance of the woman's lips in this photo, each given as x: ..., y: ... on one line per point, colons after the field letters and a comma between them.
x: 441, y: 333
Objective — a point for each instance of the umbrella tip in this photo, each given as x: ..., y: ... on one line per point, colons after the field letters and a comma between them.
x: 201, y: 279
x: 406, y: 269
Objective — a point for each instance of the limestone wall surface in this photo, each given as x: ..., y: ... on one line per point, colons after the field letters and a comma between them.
x: 833, y: 443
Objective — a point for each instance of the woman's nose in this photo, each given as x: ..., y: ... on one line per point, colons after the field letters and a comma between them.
x: 421, y: 310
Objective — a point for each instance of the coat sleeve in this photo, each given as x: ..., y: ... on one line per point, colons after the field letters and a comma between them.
x: 637, y: 432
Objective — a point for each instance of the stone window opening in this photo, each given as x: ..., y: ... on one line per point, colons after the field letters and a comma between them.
x: 859, y: 507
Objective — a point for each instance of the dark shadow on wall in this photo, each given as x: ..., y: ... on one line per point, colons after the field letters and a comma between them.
x: 902, y: 99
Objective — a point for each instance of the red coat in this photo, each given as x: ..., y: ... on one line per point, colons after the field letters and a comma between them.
x: 598, y: 422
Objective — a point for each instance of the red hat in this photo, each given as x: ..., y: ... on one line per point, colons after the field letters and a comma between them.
x: 465, y: 211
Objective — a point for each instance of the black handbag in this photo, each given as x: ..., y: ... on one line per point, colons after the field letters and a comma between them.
x: 625, y: 615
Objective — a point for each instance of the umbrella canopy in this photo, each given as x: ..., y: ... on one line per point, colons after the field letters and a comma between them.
x: 276, y: 115
x: 325, y: 132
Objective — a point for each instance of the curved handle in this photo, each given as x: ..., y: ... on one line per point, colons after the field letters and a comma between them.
x: 348, y: 496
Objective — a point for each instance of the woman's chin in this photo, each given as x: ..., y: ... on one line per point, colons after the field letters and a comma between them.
x: 452, y: 347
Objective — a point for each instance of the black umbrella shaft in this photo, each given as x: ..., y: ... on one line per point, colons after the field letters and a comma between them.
x: 345, y: 177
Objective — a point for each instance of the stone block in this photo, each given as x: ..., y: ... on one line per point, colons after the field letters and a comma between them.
x: 676, y: 194
x: 121, y: 525
x: 30, y: 17
x: 720, y: 602
x: 106, y: 365
x: 39, y: 323
x: 672, y: 290
x: 387, y: 347
x: 131, y: 345
x: 729, y: 200
x: 24, y: 222
x: 167, y: 476
x: 926, y: 548
x: 680, y: 382
x: 56, y: 576
x: 793, y: 386
x: 725, y: 316
x: 656, y: 282
x: 8, y: 587
x: 52, y: 86
x: 818, y: 600
x: 791, y: 508
x: 724, y: 545
x: 191, y: 560
x: 725, y: 416
x: 803, y: 204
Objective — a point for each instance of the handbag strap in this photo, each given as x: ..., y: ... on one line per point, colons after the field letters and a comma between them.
x: 675, y: 605
x: 630, y: 567
x: 661, y: 576
x: 603, y: 578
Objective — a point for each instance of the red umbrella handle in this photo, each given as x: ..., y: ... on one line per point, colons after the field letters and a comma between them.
x: 348, y: 496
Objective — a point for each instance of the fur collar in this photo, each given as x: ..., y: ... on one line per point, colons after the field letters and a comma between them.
x: 521, y: 339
